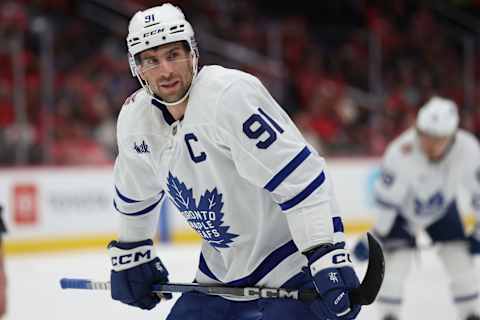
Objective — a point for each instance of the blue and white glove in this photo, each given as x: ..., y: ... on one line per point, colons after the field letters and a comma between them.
x: 135, y: 268
x: 333, y: 276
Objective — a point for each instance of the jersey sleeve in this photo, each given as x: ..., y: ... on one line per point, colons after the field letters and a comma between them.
x: 391, y: 187
x: 270, y: 152
x: 390, y: 190
x: 137, y: 193
x: 471, y: 176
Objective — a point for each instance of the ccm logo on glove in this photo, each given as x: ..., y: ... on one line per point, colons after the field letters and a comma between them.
x: 337, y: 300
x: 341, y: 258
x: 123, y: 259
x: 132, y: 257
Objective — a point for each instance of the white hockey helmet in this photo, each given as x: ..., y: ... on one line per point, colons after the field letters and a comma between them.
x: 438, y: 117
x: 157, y: 26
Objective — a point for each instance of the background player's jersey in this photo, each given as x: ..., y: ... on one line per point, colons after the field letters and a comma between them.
x: 421, y: 190
x: 237, y: 169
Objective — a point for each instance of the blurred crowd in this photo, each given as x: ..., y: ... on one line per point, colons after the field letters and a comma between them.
x: 354, y: 72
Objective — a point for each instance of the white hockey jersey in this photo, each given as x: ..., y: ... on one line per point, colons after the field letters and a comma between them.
x: 237, y: 169
x: 421, y: 190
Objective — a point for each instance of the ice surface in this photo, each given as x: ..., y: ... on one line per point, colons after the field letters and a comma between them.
x: 34, y: 291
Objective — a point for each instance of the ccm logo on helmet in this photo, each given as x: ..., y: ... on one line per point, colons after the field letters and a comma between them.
x: 341, y: 258
x: 153, y: 32
x: 131, y: 257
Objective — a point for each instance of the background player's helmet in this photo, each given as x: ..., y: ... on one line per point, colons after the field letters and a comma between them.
x: 438, y: 117
x: 155, y: 27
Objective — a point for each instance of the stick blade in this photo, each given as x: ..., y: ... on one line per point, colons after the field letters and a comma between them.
x: 366, y: 293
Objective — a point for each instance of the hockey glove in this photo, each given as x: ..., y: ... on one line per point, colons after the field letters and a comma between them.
x: 333, y: 277
x: 474, y: 242
x: 135, y: 268
x: 360, y: 251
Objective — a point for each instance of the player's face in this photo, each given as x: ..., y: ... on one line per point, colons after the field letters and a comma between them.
x: 434, y: 147
x: 168, y: 70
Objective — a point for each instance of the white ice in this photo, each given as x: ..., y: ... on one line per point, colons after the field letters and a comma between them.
x: 34, y: 291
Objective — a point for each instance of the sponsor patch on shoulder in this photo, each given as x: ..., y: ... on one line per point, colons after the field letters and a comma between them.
x: 131, y: 98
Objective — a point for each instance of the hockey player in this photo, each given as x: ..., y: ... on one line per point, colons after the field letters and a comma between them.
x: 422, y: 172
x: 225, y: 153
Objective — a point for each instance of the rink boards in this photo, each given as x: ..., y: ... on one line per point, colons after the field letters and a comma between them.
x: 51, y: 209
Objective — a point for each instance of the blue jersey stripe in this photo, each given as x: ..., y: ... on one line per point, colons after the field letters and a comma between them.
x: 267, y: 265
x: 205, y: 269
x: 124, y: 198
x: 287, y: 170
x: 314, y: 185
x: 337, y: 224
x: 138, y: 213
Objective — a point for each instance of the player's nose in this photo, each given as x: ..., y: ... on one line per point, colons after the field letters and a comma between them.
x: 166, y: 67
x: 162, y: 69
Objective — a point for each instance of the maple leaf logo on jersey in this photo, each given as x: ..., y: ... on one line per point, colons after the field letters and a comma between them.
x: 207, y: 217
x: 431, y: 206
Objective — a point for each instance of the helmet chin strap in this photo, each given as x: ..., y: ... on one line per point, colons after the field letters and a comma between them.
x: 147, y: 87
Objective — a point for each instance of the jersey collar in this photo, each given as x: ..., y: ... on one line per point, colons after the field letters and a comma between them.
x: 166, y: 114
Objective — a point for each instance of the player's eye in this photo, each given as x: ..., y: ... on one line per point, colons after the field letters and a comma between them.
x: 147, y: 62
x: 173, y: 55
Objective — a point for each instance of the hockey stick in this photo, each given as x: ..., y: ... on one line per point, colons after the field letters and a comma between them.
x: 247, y: 292
x: 364, y: 295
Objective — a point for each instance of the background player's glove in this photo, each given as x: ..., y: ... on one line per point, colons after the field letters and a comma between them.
x: 360, y: 250
x: 474, y: 242
x: 333, y: 277
x: 135, y: 268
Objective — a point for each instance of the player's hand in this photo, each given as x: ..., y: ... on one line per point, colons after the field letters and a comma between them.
x: 135, y: 268
x: 333, y: 277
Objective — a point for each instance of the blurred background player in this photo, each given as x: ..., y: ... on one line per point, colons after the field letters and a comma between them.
x: 422, y: 172
x: 225, y: 153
